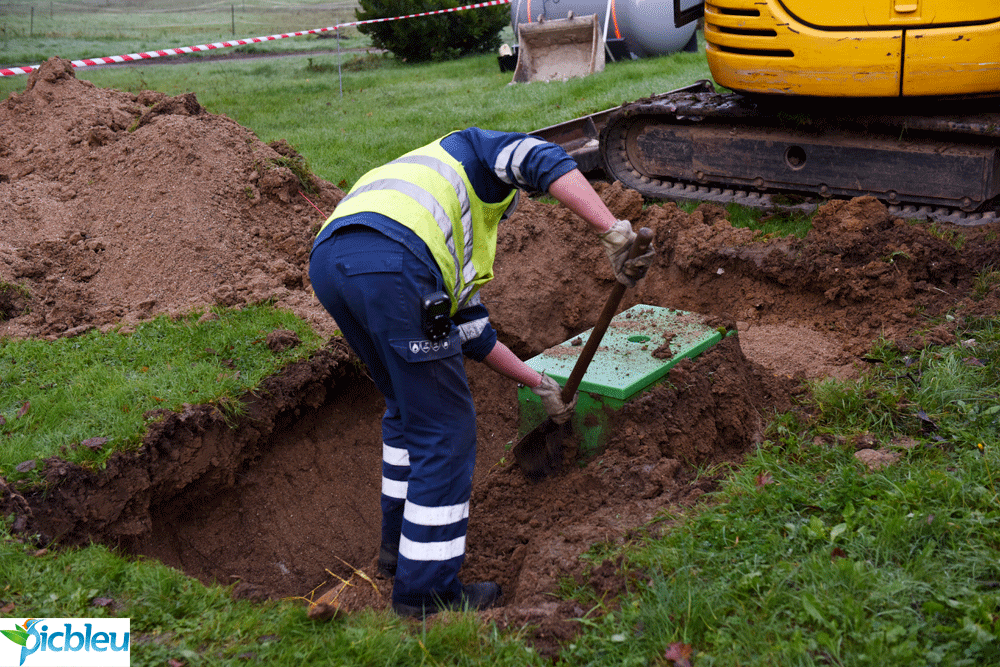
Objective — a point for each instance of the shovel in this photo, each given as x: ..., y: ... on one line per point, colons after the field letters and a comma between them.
x: 540, y: 452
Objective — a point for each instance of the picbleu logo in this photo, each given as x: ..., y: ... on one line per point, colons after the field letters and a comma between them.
x: 66, y: 642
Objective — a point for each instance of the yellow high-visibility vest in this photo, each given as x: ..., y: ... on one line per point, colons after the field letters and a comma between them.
x: 428, y: 191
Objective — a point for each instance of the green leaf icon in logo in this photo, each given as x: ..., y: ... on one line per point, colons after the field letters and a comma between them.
x: 19, y: 637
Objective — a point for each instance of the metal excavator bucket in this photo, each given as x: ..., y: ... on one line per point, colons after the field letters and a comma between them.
x: 558, y: 49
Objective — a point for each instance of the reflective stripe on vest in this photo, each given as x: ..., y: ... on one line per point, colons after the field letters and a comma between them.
x: 427, y: 191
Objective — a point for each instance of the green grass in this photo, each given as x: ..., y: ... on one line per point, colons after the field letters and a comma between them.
x: 768, y: 224
x: 387, y: 107
x: 391, y: 109
x: 54, y: 395
x: 174, y: 617
x: 77, y: 29
x: 985, y: 282
x: 803, y: 557
x: 808, y: 558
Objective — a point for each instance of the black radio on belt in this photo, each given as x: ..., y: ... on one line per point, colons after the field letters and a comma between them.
x: 436, y: 308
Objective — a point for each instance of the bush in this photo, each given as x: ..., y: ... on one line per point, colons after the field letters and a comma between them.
x: 438, y: 37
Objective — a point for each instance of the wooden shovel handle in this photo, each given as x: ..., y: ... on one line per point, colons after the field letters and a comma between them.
x: 639, y: 246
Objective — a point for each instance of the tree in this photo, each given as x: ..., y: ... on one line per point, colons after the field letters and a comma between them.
x: 437, y: 37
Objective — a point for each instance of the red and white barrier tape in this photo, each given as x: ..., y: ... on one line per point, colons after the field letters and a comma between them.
x: 92, y: 62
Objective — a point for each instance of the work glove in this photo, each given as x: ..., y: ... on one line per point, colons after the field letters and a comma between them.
x: 551, y: 394
x: 617, y: 242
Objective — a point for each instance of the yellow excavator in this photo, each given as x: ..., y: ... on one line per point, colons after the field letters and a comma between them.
x: 898, y: 99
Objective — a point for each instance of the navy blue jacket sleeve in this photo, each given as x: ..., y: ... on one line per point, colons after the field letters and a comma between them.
x: 478, y: 335
x: 498, y: 162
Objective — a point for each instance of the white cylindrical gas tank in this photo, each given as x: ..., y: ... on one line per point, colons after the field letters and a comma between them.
x: 646, y: 26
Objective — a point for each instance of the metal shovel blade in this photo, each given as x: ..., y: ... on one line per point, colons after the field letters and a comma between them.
x: 540, y: 452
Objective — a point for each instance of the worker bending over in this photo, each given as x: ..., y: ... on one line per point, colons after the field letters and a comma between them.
x: 399, y: 265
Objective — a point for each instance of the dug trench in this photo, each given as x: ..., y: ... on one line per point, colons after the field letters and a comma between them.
x: 115, y: 207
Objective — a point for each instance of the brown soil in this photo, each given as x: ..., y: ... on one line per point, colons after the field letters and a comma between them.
x: 116, y: 207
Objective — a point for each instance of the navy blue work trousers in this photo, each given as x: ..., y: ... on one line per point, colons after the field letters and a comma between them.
x: 372, y: 286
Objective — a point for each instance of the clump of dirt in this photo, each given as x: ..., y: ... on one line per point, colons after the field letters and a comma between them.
x: 116, y: 207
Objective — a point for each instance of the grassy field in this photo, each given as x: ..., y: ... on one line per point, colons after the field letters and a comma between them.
x: 57, y: 394
x: 346, y: 112
x: 802, y: 558
x: 346, y: 115
x: 31, y: 32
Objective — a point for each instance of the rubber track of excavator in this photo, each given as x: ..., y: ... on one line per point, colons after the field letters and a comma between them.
x: 925, y: 164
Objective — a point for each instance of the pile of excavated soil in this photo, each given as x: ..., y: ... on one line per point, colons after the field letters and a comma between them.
x: 117, y: 207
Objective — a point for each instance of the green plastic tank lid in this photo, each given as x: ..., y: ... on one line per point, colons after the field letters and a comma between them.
x: 640, y: 346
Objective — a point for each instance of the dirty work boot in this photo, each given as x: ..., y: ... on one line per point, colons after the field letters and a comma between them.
x: 387, y: 559
x: 474, y: 597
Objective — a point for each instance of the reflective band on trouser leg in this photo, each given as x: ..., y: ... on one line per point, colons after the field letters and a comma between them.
x: 452, y: 518
x: 395, y: 472
x: 370, y: 283
x: 441, y: 439
x: 357, y: 275
x: 433, y: 551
